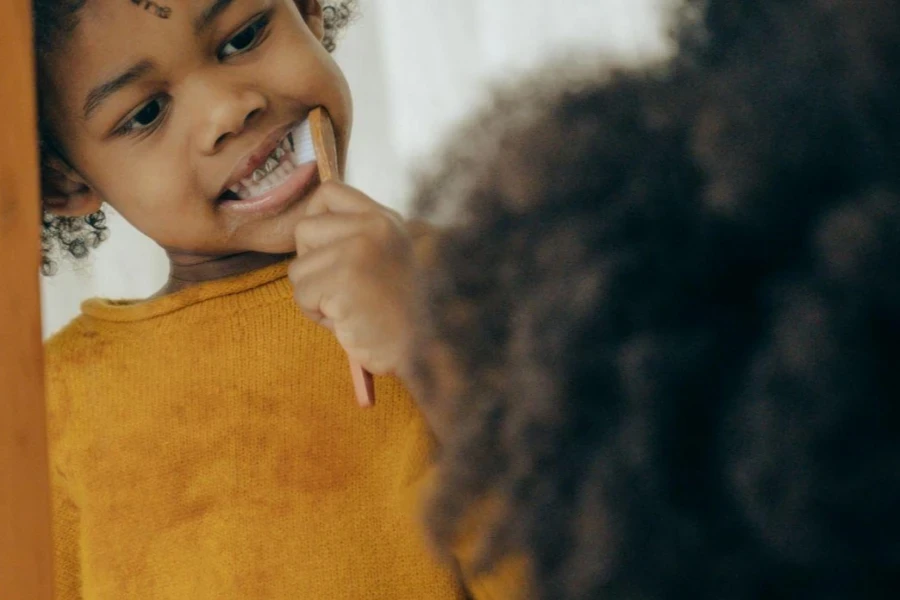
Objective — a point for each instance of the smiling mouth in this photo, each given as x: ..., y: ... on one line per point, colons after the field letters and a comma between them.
x: 288, y: 155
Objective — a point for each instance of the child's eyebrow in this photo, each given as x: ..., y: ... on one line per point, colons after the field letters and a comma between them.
x: 97, y: 96
x: 210, y: 14
x: 102, y: 92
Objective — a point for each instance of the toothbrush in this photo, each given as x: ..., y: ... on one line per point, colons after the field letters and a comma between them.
x: 318, y: 143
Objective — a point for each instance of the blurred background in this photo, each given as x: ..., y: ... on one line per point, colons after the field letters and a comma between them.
x: 415, y: 69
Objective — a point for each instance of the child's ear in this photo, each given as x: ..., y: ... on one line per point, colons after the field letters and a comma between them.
x: 313, y: 15
x: 64, y: 192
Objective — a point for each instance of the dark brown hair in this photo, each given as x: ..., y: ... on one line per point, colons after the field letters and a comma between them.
x: 672, y: 301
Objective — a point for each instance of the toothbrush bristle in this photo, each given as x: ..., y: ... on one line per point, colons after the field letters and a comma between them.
x: 304, y: 148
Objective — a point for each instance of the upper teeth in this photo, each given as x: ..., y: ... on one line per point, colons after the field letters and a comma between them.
x: 272, y: 161
x: 276, y: 168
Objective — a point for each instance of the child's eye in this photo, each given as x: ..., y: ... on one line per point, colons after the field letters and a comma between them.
x: 246, y: 39
x: 146, y: 117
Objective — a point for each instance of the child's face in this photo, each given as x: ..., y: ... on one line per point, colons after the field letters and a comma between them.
x: 161, y: 106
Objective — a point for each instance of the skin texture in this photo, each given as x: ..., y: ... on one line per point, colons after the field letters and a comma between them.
x: 162, y: 149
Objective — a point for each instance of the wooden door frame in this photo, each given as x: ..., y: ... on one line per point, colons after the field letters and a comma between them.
x: 25, y: 538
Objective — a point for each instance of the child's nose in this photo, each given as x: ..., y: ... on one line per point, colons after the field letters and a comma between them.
x: 227, y: 113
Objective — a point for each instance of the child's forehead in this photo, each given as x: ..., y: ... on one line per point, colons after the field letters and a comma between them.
x: 96, y: 13
x: 105, y: 11
x: 111, y: 26
x: 120, y: 19
x: 111, y: 33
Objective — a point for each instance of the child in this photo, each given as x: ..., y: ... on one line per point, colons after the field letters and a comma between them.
x: 663, y: 335
x: 205, y: 443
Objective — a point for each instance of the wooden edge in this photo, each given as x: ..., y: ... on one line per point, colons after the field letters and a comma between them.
x: 324, y: 144
x: 25, y: 538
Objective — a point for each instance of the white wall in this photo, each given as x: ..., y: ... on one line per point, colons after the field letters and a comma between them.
x: 415, y: 67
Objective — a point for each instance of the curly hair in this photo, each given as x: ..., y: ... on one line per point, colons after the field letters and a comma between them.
x: 54, y: 20
x: 671, y: 306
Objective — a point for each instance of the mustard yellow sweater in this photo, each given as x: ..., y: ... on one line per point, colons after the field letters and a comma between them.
x: 207, y: 446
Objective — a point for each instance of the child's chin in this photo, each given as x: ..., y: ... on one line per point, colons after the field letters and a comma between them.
x: 273, y: 238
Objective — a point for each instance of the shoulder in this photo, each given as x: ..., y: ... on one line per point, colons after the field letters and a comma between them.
x: 65, y: 354
x: 71, y: 341
x: 68, y: 355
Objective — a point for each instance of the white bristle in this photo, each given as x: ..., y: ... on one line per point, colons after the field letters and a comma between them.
x: 304, y: 150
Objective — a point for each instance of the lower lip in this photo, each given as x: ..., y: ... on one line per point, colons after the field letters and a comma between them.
x: 278, y: 198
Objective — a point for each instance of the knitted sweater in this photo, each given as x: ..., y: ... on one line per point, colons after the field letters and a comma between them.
x: 207, y: 445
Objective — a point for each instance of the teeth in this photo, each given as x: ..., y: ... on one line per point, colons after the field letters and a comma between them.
x: 253, y: 187
x: 295, y: 149
x: 283, y: 172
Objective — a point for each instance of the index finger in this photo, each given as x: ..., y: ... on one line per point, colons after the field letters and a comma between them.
x: 340, y: 198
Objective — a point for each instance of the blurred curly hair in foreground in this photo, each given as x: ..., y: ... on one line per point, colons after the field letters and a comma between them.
x: 662, y: 328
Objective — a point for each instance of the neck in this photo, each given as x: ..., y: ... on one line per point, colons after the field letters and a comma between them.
x: 188, y: 271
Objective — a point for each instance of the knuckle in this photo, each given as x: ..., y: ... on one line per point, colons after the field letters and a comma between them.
x: 382, y: 227
x: 334, y: 307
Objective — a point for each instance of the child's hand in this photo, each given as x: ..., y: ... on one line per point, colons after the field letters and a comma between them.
x: 354, y: 273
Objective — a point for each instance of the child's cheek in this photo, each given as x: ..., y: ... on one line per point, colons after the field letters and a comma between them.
x: 159, y: 202
x: 303, y: 72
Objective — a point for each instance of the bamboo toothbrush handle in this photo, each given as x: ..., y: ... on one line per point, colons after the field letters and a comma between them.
x: 326, y: 158
x: 324, y: 144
